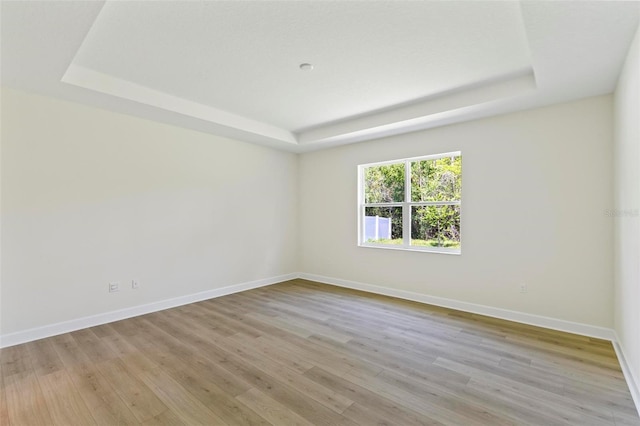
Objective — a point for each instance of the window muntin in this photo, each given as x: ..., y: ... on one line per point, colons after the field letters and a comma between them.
x: 411, y: 204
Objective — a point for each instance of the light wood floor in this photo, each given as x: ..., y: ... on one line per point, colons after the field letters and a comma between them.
x: 306, y: 353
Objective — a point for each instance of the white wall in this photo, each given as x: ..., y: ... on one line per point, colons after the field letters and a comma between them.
x: 627, y: 206
x: 90, y: 196
x: 536, y: 185
x: 0, y: 203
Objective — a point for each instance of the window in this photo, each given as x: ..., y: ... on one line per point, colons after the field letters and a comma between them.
x: 411, y: 204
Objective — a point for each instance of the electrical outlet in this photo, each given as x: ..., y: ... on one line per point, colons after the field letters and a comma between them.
x: 114, y: 286
x: 135, y: 284
x: 523, y: 288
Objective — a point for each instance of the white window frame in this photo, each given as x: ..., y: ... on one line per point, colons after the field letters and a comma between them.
x: 406, y: 205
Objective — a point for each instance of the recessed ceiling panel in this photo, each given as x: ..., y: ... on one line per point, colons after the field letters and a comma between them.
x: 244, y: 57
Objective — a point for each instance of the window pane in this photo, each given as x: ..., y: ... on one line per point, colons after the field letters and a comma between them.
x: 435, y: 226
x: 384, y: 184
x: 436, y: 180
x: 383, y: 225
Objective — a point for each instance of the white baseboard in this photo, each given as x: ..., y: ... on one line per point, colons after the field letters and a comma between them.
x: 29, y: 335
x: 521, y: 317
x: 19, y: 337
x: 632, y: 382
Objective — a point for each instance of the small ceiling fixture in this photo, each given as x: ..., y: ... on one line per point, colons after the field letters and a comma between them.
x: 306, y: 67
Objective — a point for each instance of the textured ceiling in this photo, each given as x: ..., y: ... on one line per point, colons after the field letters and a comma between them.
x: 232, y: 68
x: 243, y: 57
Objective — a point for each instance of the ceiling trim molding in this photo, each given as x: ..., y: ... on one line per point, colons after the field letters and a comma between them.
x: 400, y: 118
x: 394, y: 120
x: 103, y: 83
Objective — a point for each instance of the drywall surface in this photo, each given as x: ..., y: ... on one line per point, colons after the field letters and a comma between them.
x: 536, y: 188
x: 627, y: 209
x: 91, y: 197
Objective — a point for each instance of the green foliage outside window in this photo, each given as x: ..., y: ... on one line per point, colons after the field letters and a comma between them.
x: 385, y: 184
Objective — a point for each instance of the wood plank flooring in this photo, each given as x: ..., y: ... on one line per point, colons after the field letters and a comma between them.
x: 302, y: 353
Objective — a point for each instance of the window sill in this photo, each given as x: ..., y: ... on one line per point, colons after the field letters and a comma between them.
x: 436, y: 250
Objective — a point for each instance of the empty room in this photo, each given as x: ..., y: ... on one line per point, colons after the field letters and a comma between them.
x: 319, y: 213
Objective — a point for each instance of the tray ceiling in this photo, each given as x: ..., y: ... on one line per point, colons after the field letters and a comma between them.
x: 379, y: 68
